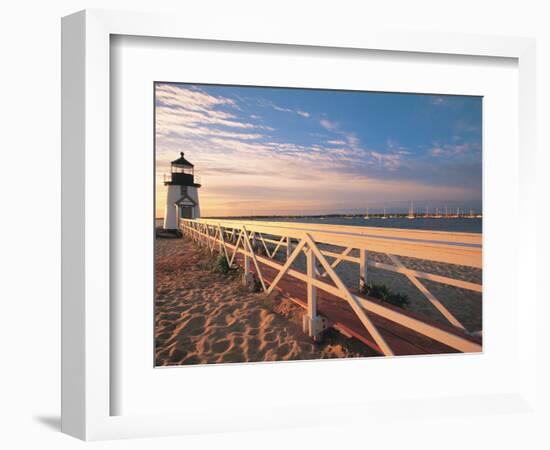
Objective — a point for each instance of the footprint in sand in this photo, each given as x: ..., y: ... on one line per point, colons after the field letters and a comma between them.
x: 221, y: 346
x: 283, y: 351
x: 233, y: 354
x: 237, y: 327
x: 270, y: 337
x: 191, y: 360
x: 170, y: 316
x: 167, y: 324
x: 162, y: 356
x: 253, y: 345
x: 163, y: 336
x: 194, y: 326
x: 178, y: 355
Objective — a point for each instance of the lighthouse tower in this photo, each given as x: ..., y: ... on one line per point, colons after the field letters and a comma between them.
x: 182, y: 198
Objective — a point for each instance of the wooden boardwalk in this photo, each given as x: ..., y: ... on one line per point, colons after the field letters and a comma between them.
x: 402, y: 340
x: 385, y: 328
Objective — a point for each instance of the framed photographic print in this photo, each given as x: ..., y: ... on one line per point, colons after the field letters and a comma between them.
x: 249, y: 218
x: 272, y: 244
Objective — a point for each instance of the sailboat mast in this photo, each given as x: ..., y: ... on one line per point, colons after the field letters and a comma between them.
x: 411, y: 211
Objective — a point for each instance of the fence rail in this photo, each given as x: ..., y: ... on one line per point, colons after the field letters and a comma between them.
x: 244, y: 238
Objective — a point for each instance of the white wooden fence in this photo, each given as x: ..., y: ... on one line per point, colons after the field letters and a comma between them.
x: 232, y: 237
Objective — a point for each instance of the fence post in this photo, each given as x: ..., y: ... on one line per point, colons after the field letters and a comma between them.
x: 312, y: 324
x: 311, y: 289
x: 288, y: 247
x: 220, y: 237
x: 246, y: 266
x: 362, y: 269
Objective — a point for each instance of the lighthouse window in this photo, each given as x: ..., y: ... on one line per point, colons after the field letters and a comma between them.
x: 183, y: 190
x: 188, y: 170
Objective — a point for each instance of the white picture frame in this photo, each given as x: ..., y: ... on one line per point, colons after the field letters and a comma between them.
x: 86, y: 325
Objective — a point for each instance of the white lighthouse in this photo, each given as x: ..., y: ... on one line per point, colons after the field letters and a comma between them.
x: 182, y: 198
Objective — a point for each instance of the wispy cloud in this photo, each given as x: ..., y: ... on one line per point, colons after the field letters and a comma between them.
x: 328, y: 125
x: 293, y: 111
x: 187, y: 98
x: 269, y: 104
x: 454, y: 149
x: 390, y: 161
x: 184, y: 111
x: 390, y: 158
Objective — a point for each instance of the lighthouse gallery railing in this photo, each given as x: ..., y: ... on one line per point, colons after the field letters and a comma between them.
x: 244, y: 237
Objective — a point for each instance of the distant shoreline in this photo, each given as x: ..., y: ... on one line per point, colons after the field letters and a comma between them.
x: 371, y: 216
x: 445, y: 223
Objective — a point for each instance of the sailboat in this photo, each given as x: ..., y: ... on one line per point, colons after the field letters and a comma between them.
x: 366, y: 214
x: 411, y: 212
x: 384, y: 216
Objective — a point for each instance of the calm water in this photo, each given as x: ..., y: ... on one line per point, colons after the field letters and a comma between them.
x: 451, y: 224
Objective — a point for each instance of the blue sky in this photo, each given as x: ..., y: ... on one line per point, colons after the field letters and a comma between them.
x: 297, y: 151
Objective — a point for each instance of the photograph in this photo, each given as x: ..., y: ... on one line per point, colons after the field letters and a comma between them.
x: 297, y: 224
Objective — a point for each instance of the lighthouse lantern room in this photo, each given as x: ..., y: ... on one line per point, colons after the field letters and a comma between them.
x: 182, y: 197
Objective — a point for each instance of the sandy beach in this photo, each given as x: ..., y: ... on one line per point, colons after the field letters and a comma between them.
x: 465, y: 305
x: 204, y: 317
